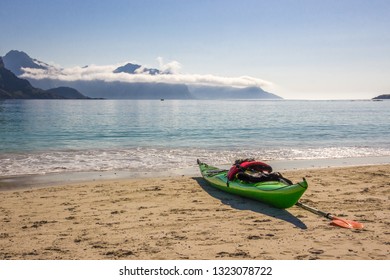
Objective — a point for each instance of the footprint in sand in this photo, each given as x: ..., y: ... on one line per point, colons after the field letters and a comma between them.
x: 316, y: 251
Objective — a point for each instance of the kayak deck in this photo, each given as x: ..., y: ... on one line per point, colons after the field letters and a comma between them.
x: 273, y: 193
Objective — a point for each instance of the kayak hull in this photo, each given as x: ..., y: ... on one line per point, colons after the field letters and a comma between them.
x: 274, y: 193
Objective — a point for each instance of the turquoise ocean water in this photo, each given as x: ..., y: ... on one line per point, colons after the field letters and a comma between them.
x: 44, y: 136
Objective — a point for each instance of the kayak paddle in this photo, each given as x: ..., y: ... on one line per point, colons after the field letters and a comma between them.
x: 336, y: 221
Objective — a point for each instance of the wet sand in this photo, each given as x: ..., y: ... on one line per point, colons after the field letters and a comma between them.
x: 181, y: 217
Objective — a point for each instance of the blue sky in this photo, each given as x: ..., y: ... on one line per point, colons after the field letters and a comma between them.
x: 304, y: 49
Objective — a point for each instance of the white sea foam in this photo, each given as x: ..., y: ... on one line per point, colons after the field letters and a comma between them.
x: 159, y: 159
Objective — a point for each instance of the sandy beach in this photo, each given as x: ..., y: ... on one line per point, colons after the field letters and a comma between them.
x: 181, y: 217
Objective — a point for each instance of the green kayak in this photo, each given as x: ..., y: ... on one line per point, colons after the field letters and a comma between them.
x: 279, y: 194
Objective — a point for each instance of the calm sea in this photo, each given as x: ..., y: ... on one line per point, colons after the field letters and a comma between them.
x: 43, y: 136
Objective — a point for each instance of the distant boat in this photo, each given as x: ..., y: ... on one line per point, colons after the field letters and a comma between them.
x: 162, y: 99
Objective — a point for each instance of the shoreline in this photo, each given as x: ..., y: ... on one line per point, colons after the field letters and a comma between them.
x: 181, y: 217
x: 19, y: 182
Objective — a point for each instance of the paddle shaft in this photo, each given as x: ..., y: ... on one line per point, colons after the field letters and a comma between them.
x: 314, y: 210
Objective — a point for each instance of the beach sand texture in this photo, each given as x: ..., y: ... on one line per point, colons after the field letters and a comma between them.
x: 183, y: 218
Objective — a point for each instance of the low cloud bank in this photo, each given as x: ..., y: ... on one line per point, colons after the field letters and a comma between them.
x: 170, y: 74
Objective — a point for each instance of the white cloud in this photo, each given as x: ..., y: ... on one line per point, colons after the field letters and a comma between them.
x: 172, y: 67
x: 170, y: 74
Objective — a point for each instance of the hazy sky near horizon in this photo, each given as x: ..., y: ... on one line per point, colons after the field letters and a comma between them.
x: 307, y: 49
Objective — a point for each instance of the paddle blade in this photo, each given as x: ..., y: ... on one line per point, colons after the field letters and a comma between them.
x: 346, y: 223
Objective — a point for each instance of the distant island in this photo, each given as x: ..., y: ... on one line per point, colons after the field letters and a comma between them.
x: 12, y: 87
x: 18, y: 61
x: 383, y: 96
